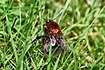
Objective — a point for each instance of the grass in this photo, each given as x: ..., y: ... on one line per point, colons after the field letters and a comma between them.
x: 82, y: 24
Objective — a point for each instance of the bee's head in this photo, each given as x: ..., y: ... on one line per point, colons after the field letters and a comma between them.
x: 51, y: 28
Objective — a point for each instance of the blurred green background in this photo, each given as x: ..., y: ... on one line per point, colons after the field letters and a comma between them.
x: 82, y: 23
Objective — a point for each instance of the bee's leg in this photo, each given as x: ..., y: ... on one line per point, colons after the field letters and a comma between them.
x: 53, y: 41
x: 57, y: 51
x: 46, y: 47
x: 37, y: 38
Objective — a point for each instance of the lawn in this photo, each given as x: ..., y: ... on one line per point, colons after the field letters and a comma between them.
x: 82, y: 23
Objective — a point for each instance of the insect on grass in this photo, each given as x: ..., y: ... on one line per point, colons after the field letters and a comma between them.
x: 54, y: 37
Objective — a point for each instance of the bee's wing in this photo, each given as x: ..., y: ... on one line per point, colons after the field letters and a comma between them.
x: 64, y: 45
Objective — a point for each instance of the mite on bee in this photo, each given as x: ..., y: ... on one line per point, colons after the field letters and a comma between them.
x: 53, y: 37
